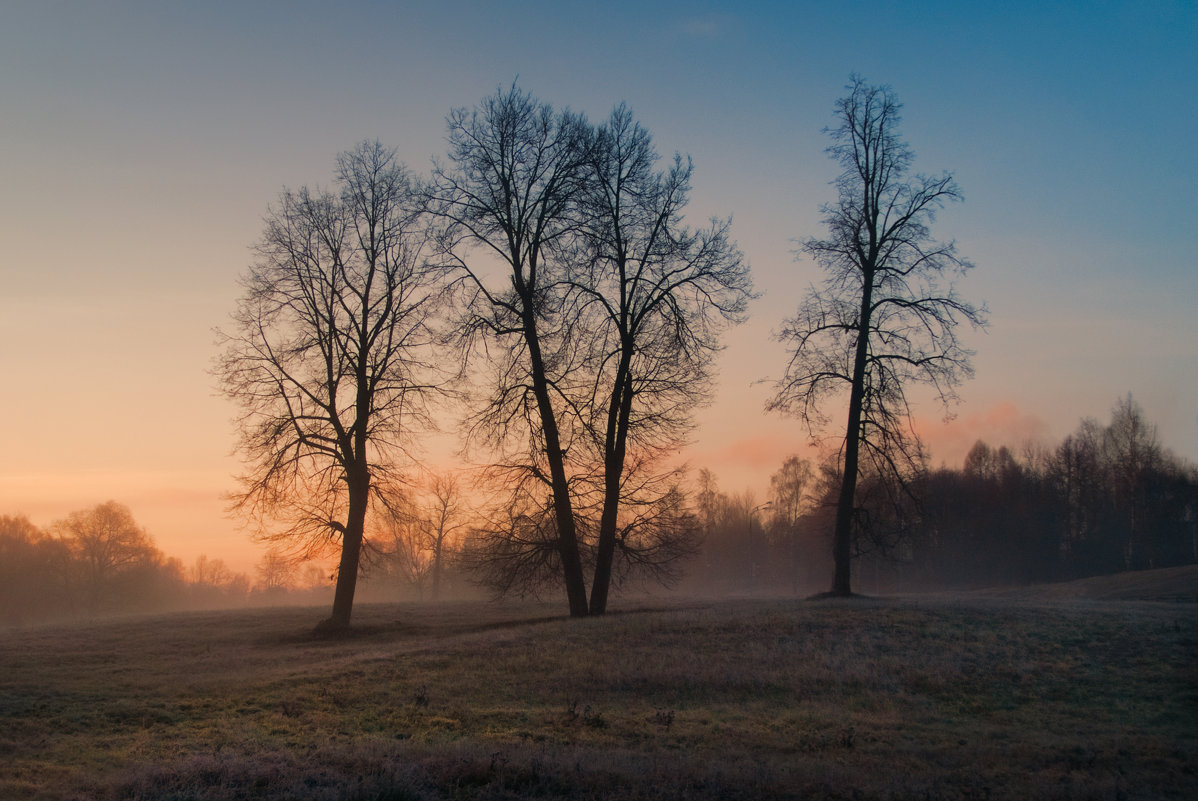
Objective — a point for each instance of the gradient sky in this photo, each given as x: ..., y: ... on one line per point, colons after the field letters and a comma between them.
x: 140, y: 143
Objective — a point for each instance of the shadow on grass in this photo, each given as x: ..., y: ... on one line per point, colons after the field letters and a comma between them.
x: 400, y: 629
x: 840, y: 596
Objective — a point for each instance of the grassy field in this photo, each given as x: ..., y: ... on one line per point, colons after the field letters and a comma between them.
x: 932, y: 697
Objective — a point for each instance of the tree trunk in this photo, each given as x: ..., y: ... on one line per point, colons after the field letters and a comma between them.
x: 615, y: 449
x: 842, y: 540
x: 576, y: 591
x: 436, y: 591
x: 351, y: 556
x: 605, y: 553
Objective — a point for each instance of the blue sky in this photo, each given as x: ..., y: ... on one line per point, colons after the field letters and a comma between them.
x: 141, y: 142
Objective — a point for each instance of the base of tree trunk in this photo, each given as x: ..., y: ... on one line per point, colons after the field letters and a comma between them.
x: 819, y: 596
x: 330, y: 628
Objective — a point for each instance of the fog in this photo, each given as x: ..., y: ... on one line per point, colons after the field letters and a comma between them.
x: 1108, y: 498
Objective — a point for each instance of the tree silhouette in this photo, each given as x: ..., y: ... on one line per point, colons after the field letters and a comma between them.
x: 445, y: 517
x: 106, y: 542
x: 655, y: 295
x: 327, y: 359
x: 506, y: 203
x: 596, y: 310
x: 886, y: 314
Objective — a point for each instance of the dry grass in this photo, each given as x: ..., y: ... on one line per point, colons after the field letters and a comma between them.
x: 917, y: 698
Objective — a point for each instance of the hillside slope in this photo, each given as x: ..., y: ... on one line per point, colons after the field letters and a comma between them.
x: 1173, y: 584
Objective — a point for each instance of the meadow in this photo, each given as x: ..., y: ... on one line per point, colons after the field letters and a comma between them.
x: 1040, y: 696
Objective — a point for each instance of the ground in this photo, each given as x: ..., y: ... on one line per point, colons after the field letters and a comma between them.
x: 1028, y: 695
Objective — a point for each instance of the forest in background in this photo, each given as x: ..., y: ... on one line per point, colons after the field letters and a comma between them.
x: 1108, y: 498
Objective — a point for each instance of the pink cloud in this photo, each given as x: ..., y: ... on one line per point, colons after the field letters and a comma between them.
x: 748, y: 461
x: 1003, y: 423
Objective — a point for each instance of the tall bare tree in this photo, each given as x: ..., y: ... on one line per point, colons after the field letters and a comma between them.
x: 655, y: 295
x: 327, y: 359
x: 886, y: 314
x: 507, y: 201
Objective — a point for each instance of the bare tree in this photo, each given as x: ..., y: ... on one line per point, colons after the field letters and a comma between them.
x: 1078, y: 471
x: 327, y: 359
x: 792, y: 494
x: 886, y: 314
x: 106, y: 542
x: 400, y: 553
x: 314, y: 576
x: 445, y: 519
x: 655, y: 295
x: 210, y: 572
x: 514, y: 549
x: 1135, y: 455
x: 506, y: 201
x: 276, y: 572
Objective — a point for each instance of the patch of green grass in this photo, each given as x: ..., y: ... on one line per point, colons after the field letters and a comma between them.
x: 871, y: 699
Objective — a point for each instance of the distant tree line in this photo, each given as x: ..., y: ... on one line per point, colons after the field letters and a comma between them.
x: 94, y: 561
x: 100, y: 562
x: 1108, y: 498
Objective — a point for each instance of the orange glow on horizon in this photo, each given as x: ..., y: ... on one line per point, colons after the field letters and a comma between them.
x: 183, y: 512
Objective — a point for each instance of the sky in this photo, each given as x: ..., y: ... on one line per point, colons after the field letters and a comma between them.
x: 141, y: 142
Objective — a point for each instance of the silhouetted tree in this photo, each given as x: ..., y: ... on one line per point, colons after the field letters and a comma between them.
x: 791, y: 498
x: 210, y: 572
x: 212, y: 582
x: 1087, y: 507
x: 1077, y: 470
x: 400, y: 554
x: 106, y: 544
x: 732, y: 544
x: 1135, y: 456
x: 655, y: 295
x: 515, y: 548
x: 886, y: 314
x: 507, y: 203
x: 444, y: 518
x: 327, y: 359
x: 598, y: 330
x: 276, y: 572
